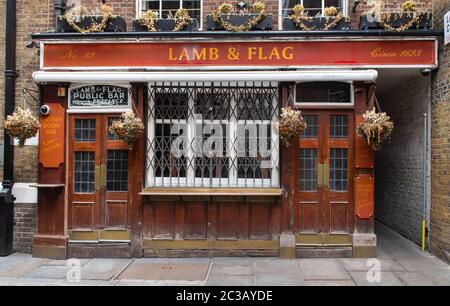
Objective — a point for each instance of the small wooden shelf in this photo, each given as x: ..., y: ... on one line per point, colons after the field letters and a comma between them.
x: 48, y: 185
x: 213, y: 191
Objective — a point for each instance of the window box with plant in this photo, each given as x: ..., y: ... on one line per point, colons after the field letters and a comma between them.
x: 409, y: 18
x: 333, y: 19
x: 224, y: 18
x: 80, y: 19
x: 180, y: 22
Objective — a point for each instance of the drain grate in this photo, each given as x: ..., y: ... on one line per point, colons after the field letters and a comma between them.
x: 163, y: 272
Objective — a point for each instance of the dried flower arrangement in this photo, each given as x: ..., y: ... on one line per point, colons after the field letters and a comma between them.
x: 22, y: 125
x: 376, y: 129
x: 258, y: 8
x: 148, y: 19
x: 299, y: 17
x: 80, y: 12
x: 408, y: 9
x: 332, y: 18
x: 127, y: 128
x: 291, y: 125
x: 181, y: 18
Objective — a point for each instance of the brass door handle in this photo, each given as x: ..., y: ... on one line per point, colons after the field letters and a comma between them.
x: 323, y: 175
x: 103, y: 170
x: 320, y: 175
x: 98, y: 177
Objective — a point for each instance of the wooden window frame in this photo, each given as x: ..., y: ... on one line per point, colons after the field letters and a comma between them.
x: 345, y: 4
x: 325, y: 104
x: 139, y: 10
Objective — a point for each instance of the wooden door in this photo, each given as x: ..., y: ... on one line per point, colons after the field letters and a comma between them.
x: 98, y: 180
x: 324, y: 189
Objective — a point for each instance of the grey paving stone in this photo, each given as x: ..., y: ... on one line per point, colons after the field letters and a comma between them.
x: 49, y: 272
x: 235, y: 261
x: 103, y: 269
x: 421, y: 263
x: 19, y: 268
x: 354, y: 264
x: 128, y: 283
x: 387, y: 279
x: 64, y: 262
x: 278, y: 279
x: 29, y: 282
x: 230, y: 280
x: 322, y: 269
x: 330, y: 283
x: 439, y: 277
x: 237, y: 270
x: 174, y: 260
x: 276, y: 266
x: 414, y: 278
x: 9, y: 261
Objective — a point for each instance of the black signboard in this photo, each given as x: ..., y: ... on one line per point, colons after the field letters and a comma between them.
x: 94, y: 96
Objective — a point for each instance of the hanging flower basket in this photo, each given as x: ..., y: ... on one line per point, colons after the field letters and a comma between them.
x: 22, y: 125
x: 408, y: 18
x: 180, y: 22
x: 79, y: 19
x: 224, y: 19
x: 299, y: 20
x: 376, y: 129
x: 127, y: 128
x: 291, y: 125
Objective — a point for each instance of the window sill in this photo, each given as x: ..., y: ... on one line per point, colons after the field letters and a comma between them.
x: 213, y: 191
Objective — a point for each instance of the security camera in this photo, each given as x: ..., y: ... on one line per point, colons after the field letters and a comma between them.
x: 425, y: 72
x: 45, y: 110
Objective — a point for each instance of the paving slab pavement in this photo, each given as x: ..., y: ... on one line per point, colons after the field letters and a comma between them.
x: 401, y: 263
x: 386, y: 279
x: 323, y: 269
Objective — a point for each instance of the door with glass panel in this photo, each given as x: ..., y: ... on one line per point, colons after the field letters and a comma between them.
x: 98, y: 180
x: 324, y: 193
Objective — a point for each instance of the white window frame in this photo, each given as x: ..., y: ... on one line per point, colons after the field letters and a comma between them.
x: 345, y: 4
x: 343, y: 104
x: 190, y: 180
x: 139, y: 10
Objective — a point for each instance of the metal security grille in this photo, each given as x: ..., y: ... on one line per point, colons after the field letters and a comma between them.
x: 213, y: 134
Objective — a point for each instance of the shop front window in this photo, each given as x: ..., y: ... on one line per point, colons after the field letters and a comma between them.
x: 167, y: 8
x: 312, y: 7
x: 219, y: 134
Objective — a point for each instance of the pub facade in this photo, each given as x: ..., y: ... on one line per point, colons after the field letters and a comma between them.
x: 210, y: 175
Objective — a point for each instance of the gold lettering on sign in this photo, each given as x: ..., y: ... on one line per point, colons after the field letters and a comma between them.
x: 411, y: 53
x: 260, y: 53
x: 187, y: 54
x: 232, y: 54
x: 381, y: 53
x: 72, y: 54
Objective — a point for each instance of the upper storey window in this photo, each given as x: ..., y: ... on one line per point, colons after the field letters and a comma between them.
x: 166, y: 8
x: 313, y: 7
